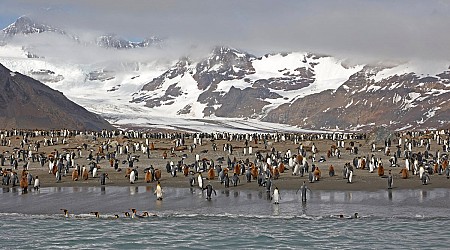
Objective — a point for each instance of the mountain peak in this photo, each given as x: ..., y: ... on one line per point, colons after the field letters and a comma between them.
x: 25, y: 25
x: 114, y: 41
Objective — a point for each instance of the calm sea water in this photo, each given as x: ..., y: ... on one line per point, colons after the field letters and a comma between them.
x: 405, y: 219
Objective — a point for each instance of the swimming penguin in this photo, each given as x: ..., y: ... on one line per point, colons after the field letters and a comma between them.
x: 132, y: 177
x: 200, y: 180
x: 127, y: 214
x: 66, y: 212
x: 303, y: 188
x: 147, y: 214
x: 276, y: 196
x: 97, y: 214
x: 209, y: 189
x: 159, y: 191
x: 390, y: 180
x: 134, y: 213
x: 103, y: 178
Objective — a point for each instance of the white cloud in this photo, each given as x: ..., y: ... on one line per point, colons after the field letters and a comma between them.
x: 363, y: 29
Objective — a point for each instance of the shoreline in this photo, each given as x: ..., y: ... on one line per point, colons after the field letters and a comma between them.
x: 163, y: 144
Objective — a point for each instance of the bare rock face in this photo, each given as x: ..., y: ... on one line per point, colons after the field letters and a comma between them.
x: 399, y: 101
x: 28, y: 104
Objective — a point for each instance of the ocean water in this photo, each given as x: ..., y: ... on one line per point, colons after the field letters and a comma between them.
x: 400, y: 219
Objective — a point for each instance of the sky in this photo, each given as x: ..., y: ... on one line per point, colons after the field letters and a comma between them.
x: 359, y: 29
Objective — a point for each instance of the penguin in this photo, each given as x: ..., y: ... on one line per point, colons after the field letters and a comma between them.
x: 66, y: 212
x: 103, y: 178
x: 390, y: 180
x: 97, y: 214
x: 85, y: 174
x: 311, y: 177
x: 159, y: 191
x: 200, y: 180
x: 134, y: 213
x: 296, y: 170
x: 132, y: 177
x: 94, y: 172
x: 209, y: 189
x: 421, y: 172
x: 37, y: 183
x: 147, y: 214
x: 75, y: 175
x: 148, y: 176
x: 157, y: 174
x: 211, y: 174
x: 235, y: 179
x: 276, y: 196
x: 30, y: 178
x: 331, y: 171
x: 303, y: 188
x: 192, y: 180
x: 380, y: 170
x: 425, y: 178
x: 248, y: 175
x: 24, y: 185
x: 350, y: 177
x: 58, y: 176
x: 226, y: 181
x: 126, y: 214
x: 269, y: 186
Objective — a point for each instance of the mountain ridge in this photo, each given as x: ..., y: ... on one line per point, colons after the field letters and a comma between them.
x: 302, y: 89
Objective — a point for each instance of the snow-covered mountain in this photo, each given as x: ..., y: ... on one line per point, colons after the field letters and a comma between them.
x: 25, y: 26
x: 232, y: 89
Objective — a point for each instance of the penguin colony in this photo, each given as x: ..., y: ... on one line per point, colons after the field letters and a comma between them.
x: 85, y: 156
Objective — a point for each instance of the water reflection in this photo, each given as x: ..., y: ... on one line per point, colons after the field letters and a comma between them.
x: 276, y: 209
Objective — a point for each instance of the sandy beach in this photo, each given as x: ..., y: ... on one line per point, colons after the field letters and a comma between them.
x: 362, y: 179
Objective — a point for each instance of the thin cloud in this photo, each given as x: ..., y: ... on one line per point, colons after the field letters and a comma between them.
x: 363, y: 29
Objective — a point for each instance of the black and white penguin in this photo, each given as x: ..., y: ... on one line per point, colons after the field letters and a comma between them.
x: 425, y: 178
x: 350, y: 177
x: 311, y: 177
x: 226, y: 181
x: 235, y: 179
x: 97, y: 214
x: 209, y: 190
x: 248, y: 175
x: 66, y: 212
x: 103, y: 178
x: 276, y: 196
x: 303, y: 189
x: 390, y: 180
x: 159, y: 191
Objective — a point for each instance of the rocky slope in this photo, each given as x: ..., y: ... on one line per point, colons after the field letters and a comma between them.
x: 297, y: 88
x: 28, y: 104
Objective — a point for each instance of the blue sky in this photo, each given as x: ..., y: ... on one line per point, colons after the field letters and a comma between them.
x: 358, y: 28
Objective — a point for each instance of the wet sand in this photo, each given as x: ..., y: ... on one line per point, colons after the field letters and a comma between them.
x: 362, y: 179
